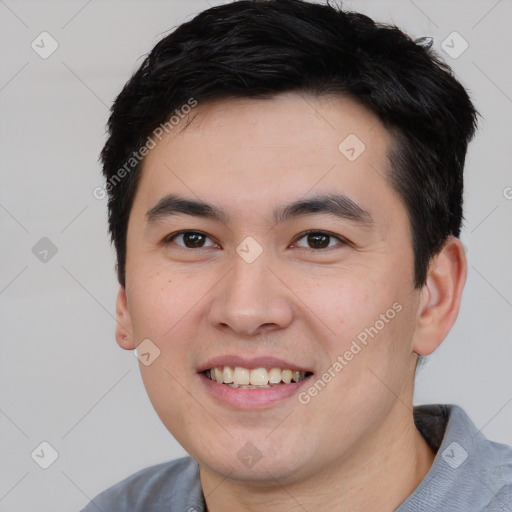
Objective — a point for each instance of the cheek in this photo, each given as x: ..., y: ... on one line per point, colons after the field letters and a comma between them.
x: 159, y: 301
x: 368, y: 328
x: 345, y: 307
x: 168, y: 309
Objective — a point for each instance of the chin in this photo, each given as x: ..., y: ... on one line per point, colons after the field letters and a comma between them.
x: 259, y: 463
x: 262, y: 473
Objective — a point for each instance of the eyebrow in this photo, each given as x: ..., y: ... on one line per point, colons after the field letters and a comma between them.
x: 338, y: 205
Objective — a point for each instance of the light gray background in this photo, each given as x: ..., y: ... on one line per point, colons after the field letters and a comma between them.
x: 63, y: 378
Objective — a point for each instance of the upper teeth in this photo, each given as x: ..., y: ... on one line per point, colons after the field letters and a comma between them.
x: 238, y: 376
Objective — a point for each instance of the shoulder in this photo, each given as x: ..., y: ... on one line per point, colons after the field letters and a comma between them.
x: 168, y: 486
x: 496, y: 474
x: 469, y: 472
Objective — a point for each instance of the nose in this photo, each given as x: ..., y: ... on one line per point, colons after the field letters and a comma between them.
x: 251, y: 299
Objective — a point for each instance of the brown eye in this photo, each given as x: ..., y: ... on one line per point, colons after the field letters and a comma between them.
x: 190, y: 239
x: 318, y: 240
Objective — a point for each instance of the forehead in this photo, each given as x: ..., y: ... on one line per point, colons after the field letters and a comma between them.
x: 289, y: 120
x: 264, y: 150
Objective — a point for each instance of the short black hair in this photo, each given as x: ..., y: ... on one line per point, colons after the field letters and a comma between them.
x: 260, y: 48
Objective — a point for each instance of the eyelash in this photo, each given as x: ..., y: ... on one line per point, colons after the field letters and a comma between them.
x: 340, y: 239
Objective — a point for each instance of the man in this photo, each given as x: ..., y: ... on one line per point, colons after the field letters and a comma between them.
x: 285, y: 200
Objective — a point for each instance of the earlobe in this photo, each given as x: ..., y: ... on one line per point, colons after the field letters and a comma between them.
x: 124, y: 329
x: 440, y: 298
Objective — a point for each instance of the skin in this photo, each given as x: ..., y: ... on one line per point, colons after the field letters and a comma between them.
x: 354, y: 446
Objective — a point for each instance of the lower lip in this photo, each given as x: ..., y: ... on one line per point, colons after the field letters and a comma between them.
x: 251, y: 398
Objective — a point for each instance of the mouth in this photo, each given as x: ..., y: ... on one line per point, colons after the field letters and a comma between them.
x: 238, y: 377
x: 242, y: 383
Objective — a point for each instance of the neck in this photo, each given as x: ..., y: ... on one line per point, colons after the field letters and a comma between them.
x: 379, y: 475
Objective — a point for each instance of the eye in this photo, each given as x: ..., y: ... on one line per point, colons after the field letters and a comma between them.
x: 190, y: 239
x: 319, y: 240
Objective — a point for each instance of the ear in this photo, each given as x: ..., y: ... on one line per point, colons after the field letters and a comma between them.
x: 440, y: 296
x: 124, y: 331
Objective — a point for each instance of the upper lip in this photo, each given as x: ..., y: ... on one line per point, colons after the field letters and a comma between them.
x: 251, y: 363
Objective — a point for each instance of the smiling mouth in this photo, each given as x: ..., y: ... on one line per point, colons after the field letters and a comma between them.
x: 256, y: 378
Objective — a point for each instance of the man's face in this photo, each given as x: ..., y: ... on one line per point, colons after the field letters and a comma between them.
x: 253, y: 289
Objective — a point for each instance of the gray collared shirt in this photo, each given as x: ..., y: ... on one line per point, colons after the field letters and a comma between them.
x: 469, y: 474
